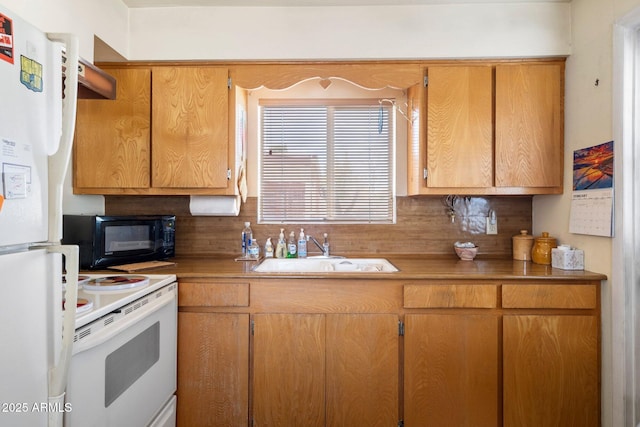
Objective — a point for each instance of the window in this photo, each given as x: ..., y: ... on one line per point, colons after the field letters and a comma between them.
x: 326, y: 161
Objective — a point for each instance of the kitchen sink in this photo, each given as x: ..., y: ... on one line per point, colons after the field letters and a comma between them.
x: 325, y: 265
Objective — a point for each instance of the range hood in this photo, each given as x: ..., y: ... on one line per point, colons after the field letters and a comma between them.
x: 93, y: 83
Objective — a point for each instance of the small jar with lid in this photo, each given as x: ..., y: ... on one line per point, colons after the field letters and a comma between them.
x: 541, y: 252
x: 522, y: 245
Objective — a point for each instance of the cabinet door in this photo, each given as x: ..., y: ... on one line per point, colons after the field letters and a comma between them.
x: 529, y: 125
x: 190, y: 122
x: 213, y: 369
x: 550, y: 371
x: 451, y: 370
x: 362, y: 370
x: 459, y: 127
x: 112, y: 148
x: 289, y: 370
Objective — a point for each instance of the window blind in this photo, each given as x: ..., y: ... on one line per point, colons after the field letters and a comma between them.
x: 329, y: 162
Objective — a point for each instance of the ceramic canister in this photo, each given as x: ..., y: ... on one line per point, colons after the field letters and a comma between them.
x: 541, y: 252
x: 522, y: 245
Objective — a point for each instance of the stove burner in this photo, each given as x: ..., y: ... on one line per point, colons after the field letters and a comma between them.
x: 82, y: 306
x: 115, y: 283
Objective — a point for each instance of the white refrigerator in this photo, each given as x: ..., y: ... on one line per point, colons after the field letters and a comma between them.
x: 36, y: 134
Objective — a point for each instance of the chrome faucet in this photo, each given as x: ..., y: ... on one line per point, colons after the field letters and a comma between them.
x: 324, y: 247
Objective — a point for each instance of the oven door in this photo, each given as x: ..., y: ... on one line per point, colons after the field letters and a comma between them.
x: 123, y: 372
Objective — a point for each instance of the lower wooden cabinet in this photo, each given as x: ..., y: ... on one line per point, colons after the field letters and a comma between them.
x: 213, y: 369
x: 325, y: 370
x: 472, y: 354
x: 451, y: 371
x: 551, y: 371
x: 362, y: 370
x: 288, y: 370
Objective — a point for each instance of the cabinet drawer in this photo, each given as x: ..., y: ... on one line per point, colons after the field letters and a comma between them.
x: 450, y: 295
x: 213, y: 294
x: 549, y: 296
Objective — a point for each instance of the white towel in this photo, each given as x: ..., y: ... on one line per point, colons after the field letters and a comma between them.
x: 215, y: 205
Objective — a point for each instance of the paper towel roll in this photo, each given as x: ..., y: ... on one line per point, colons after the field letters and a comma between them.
x: 214, y: 205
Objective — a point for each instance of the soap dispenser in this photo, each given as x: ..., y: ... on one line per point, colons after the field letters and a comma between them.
x: 281, y: 251
x: 302, y: 245
x: 268, y: 249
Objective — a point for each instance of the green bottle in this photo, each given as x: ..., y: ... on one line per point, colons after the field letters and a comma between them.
x: 292, y: 246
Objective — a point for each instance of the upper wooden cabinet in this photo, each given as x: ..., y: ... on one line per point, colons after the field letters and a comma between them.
x: 190, y: 117
x: 113, y: 138
x: 168, y: 132
x: 459, y: 127
x: 477, y: 128
x: 529, y: 126
x: 488, y: 128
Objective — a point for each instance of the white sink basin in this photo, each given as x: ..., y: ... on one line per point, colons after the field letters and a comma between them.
x: 322, y: 265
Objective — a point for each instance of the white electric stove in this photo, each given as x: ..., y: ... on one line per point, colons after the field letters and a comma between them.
x: 100, y: 294
x: 123, y: 368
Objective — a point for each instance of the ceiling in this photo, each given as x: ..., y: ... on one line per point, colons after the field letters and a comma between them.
x: 296, y: 3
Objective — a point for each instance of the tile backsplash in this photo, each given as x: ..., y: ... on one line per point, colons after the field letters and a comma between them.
x: 423, y: 226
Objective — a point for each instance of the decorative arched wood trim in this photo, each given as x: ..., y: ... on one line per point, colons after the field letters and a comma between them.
x: 367, y: 75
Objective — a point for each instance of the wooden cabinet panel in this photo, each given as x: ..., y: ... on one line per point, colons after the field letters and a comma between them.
x: 445, y: 295
x: 451, y: 370
x: 529, y: 125
x: 213, y: 369
x: 325, y: 370
x: 508, y: 140
x: 550, y: 371
x: 326, y: 296
x: 333, y: 357
x: 112, y: 148
x: 362, y: 370
x: 190, y: 127
x: 213, y: 294
x: 289, y: 370
x: 549, y: 296
x: 460, y: 126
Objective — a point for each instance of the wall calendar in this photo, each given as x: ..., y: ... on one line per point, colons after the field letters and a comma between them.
x: 592, y: 198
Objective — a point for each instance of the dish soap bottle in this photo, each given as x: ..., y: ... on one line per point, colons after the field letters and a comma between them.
x: 268, y: 248
x: 281, y: 251
x: 291, y: 246
x: 302, y: 245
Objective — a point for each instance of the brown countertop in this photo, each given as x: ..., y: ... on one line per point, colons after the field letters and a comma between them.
x: 411, y: 267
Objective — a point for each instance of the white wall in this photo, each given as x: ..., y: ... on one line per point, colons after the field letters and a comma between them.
x: 347, y: 32
x: 107, y: 19
x: 588, y: 121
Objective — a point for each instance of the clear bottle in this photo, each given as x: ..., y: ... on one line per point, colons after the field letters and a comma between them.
x: 292, y: 246
x: 302, y: 244
x: 254, y: 249
x: 268, y: 249
x: 247, y: 235
x: 281, y: 247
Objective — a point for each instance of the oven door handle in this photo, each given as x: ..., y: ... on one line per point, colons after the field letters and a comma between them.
x: 106, y: 334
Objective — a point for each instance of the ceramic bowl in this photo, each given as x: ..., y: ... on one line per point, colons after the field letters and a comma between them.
x: 466, y: 253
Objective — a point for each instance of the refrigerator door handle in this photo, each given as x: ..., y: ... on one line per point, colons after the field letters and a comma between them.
x: 59, y: 373
x: 59, y: 161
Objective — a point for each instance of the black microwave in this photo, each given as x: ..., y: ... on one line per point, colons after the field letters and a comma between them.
x: 114, y: 240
